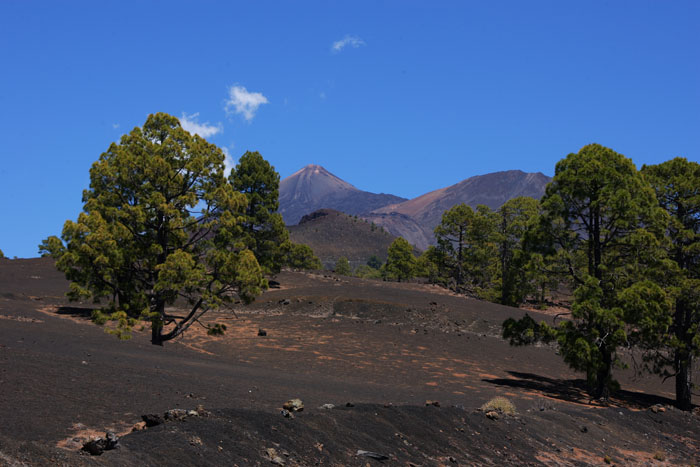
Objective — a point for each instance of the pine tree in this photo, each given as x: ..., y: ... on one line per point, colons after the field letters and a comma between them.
x: 400, y: 263
x: 467, y: 239
x: 515, y: 218
x: 263, y: 230
x: 140, y: 244
x: 602, y: 217
x: 342, y: 266
x: 300, y: 256
x: 677, y: 187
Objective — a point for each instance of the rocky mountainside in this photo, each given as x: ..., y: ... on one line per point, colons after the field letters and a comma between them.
x: 492, y: 189
x: 313, y: 188
x: 402, y: 225
x: 332, y: 234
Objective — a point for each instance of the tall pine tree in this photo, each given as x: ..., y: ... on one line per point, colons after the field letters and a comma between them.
x: 677, y: 187
x: 603, y: 218
x: 263, y: 230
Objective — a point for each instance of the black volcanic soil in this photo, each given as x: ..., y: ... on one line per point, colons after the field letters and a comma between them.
x: 385, y: 348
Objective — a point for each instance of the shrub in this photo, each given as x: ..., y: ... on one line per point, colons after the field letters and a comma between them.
x: 499, y: 404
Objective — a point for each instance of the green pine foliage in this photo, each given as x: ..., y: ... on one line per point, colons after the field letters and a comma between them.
x: 300, y: 256
x: 374, y: 262
x: 514, y: 219
x: 432, y: 264
x: 602, y: 218
x: 671, y: 335
x: 342, y: 266
x: 400, y: 264
x: 263, y: 230
x: 159, y: 224
x: 366, y: 272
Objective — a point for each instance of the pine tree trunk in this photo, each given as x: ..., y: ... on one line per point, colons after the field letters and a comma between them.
x: 604, y: 377
x: 157, y: 324
x: 156, y: 338
x: 684, y: 382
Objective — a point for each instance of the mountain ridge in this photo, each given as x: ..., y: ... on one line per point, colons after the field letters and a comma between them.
x: 313, y: 187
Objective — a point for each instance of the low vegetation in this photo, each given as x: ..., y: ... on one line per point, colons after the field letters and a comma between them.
x: 499, y: 404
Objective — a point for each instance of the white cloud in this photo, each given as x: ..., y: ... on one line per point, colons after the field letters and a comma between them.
x: 322, y: 95
x: 115, y: 125
x: 240, y: 101
x: 348, y: 40
x: 229, y: 163
x: 205, y: 130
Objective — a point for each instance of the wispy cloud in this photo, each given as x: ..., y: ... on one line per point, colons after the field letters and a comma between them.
x: 115, y: 125
x: 229, y: 163
x: 241, y: 101
x: 347, y: 41
x: 205, y: 130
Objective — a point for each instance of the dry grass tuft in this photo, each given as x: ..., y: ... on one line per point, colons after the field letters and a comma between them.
x: 499, y: 404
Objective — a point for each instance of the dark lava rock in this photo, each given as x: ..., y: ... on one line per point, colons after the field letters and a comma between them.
x: 97, y: 446
x: 152, y: 419
x: 262, y: 332
x: 176, y: 414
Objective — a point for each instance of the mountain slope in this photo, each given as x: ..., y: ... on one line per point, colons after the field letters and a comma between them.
x: 492, y: 189
x: 313, y: 188
x: 332, y: 234
x: 404, y: 226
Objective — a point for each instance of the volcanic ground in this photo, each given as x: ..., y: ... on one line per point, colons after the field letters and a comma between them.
x: 388, y: 373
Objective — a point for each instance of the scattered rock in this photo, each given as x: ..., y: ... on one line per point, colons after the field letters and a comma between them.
x: 584, y: 429
x: 97, y: 446
x: 286, y: 413
x: 294, y: 405
x: 176, y: 414
x: 192, y: 413
x: 658, y: 408
x: 327, y: 406
x: 152, y: 419
x: 372, y: 455
x: 349, y: 404
x: 202, y: 411
x: 275, y: 458
x: 284, y: 301
x: 493, y: 415
x: 262, y: 332
x: 139, y: 426
x: 433, y: 403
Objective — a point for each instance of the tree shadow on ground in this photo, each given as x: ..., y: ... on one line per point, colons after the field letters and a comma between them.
x: 75, y: 312
x: 575, y: 390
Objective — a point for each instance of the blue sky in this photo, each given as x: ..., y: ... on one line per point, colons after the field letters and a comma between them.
x: 400, y: 97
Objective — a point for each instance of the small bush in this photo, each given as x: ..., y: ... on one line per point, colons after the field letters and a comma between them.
x: 499, y: 404
x: 660, y: 456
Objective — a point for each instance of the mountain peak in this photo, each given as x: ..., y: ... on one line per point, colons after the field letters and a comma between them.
x: 313, y: 187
